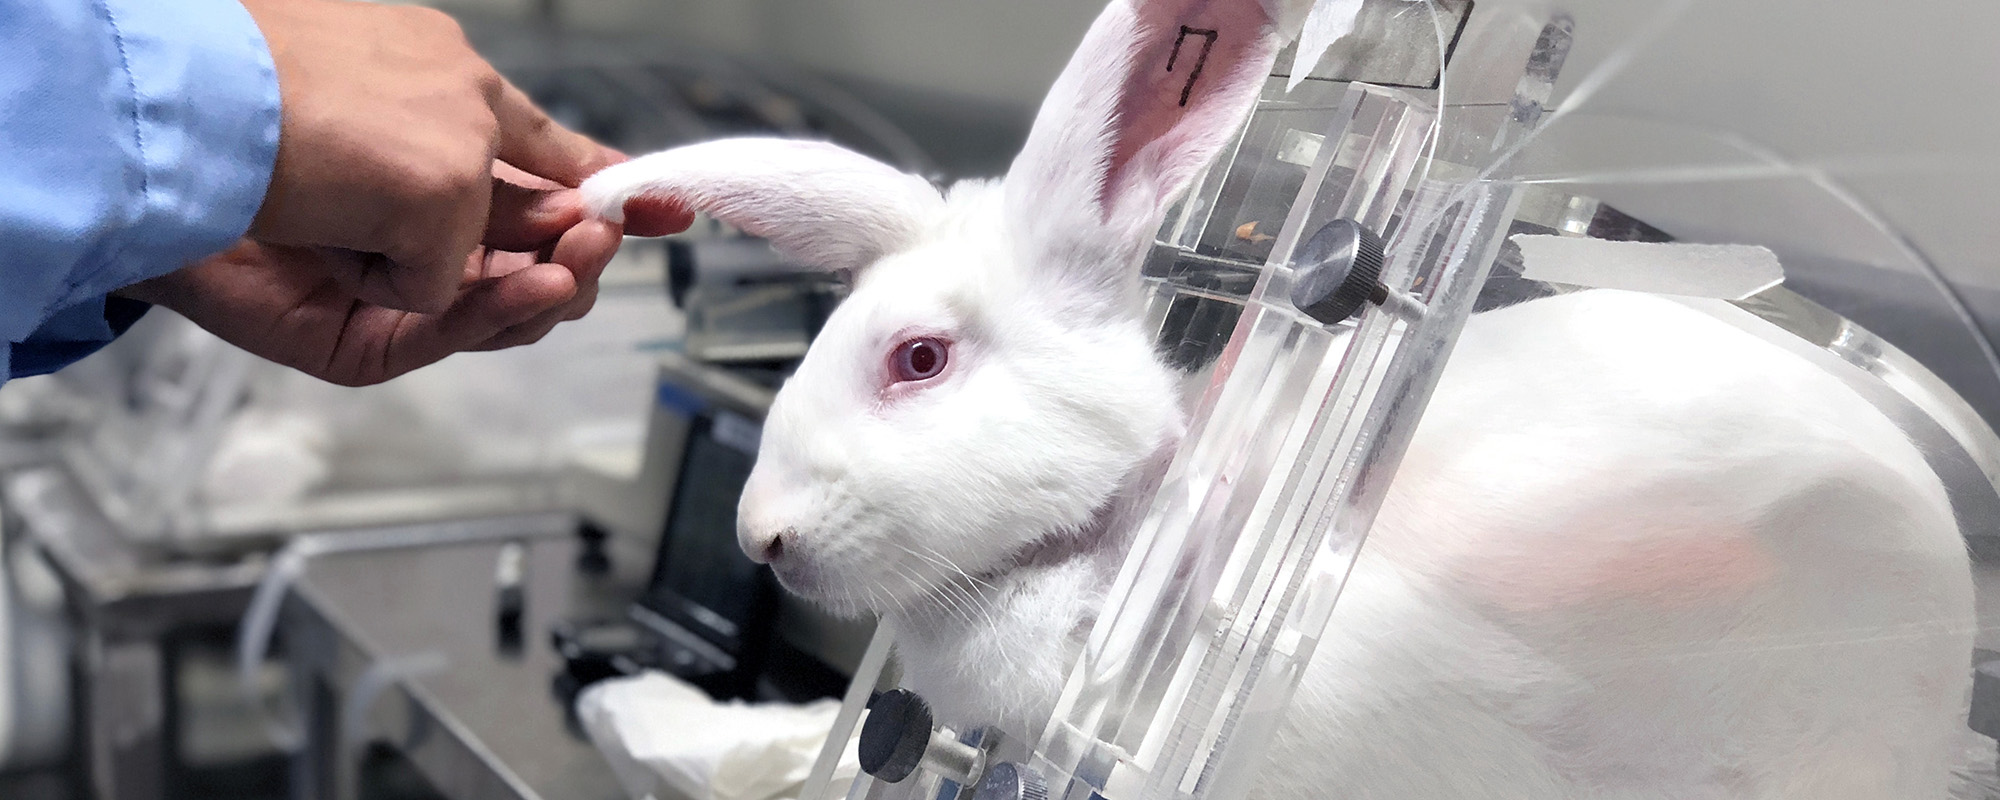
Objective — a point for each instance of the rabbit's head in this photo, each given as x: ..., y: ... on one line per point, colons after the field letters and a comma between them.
x: 987, y: 388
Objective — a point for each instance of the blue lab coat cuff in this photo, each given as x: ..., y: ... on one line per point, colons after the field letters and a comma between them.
x: 71, y: 334
x: 136, y: 137
x: 207, y: 114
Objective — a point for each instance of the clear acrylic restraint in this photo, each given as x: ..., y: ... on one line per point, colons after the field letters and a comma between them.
x: 1298, y: 424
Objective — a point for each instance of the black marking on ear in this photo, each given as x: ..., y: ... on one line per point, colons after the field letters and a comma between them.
x: 1208, y: 43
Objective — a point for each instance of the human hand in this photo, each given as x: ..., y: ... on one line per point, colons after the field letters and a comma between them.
x: 295, y: 305
x: 391, y: 126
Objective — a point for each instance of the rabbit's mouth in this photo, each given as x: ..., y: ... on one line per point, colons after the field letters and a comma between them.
x: 806, y: 581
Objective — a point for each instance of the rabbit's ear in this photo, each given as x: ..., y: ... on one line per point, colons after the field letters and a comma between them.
x: 1154, y: 91
x: 819, y: 204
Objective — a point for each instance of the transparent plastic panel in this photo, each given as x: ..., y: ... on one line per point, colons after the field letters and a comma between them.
x: 1297, y: 423
x: 1275, y: 555
x: 1258, y: 522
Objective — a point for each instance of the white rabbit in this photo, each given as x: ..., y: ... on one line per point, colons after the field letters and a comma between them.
x: 1633, y: 552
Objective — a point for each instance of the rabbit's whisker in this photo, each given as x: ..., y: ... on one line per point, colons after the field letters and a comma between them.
x: 951, y: 587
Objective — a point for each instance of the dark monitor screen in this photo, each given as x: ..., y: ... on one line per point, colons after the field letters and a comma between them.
x: 701, y: 579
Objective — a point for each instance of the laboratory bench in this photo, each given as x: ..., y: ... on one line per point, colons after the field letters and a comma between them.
x: 414, y: 648
x: 392, y: 635
x: 126, y: 603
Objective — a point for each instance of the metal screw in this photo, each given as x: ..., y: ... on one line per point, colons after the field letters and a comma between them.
x: 1010, y: 781
x: 898, y: 738
x: 1339, y: 270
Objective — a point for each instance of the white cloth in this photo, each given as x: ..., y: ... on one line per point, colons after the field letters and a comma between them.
x: 665, y: 739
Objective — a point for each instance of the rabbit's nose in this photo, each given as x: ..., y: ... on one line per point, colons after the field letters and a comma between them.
x: 766, y: 546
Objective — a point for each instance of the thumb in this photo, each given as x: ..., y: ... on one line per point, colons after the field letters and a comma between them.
x: 524, y: 220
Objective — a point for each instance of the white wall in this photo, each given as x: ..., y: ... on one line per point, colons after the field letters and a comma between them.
x: 1900, y: 99
x: 996, y: 51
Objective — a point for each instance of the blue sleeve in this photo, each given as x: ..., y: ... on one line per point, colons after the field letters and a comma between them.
x: 136, y: 136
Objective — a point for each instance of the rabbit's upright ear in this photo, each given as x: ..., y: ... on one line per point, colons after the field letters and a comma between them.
x: 1157, y: 88
x: 819, y: 204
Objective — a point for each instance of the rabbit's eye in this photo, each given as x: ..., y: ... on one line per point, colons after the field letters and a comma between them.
x: 918, y: 359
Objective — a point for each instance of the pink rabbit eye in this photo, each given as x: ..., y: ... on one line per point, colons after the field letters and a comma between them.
x: 918, y: 359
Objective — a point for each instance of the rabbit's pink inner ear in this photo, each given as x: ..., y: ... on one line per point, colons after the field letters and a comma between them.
x: 1195, y: 68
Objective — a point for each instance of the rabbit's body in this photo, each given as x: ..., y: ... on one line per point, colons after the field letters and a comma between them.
x: 1633, y: 552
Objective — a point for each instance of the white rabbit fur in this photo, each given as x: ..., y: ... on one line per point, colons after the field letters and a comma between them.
x: 1633, y: 552
x: 1636, y: 552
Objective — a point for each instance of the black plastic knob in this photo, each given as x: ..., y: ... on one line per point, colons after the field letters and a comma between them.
x: 895, y: 736
x: 1010, y: 781
x: 1339, y: 270
x: 1985, y: 717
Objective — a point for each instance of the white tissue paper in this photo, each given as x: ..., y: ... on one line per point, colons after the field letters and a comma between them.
x: 1717, y: 271
x: 665, y: 740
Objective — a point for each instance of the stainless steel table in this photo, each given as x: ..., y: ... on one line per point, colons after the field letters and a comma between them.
x: 402, y: 647
x: 125, y: 602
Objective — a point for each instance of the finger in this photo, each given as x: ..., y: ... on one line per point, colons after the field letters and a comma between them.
x: 536, y: 144
x: 656, y: 216
x: 482, y: 312
x: 487, y: 263
x: 512, y: 174
x: 425, y: 266
x: 526, y: 333
x: 525, y: 220
x: 585, y: 251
